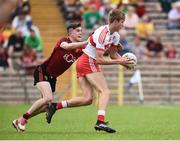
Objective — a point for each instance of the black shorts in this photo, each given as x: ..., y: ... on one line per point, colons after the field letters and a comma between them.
x: 40, y: 75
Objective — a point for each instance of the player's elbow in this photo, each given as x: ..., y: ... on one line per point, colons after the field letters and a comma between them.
x: 68, y: 47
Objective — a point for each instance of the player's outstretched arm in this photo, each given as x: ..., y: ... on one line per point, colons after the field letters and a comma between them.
x: 70, y: 46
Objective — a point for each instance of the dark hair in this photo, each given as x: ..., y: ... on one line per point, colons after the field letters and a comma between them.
x: 73, y: 26
x: 31, y: 30
x: 116, y: 15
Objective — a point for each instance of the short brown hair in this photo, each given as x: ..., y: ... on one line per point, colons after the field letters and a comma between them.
x: 73, y: 26
x: 116, y: 15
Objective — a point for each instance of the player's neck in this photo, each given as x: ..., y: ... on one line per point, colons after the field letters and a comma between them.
x: 111, y: 29
x: 71, y: 39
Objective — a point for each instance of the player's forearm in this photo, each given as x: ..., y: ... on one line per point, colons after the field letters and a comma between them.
x: 107, y: 61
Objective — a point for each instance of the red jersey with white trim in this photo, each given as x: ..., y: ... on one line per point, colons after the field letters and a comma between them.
x: 61, y: 59
x: 101, y: 39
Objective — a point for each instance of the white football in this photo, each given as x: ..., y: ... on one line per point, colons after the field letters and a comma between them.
x: 131, y: 56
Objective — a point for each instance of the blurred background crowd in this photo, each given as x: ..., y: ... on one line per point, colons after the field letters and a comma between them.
x: 20, y: 40
x: 21, y: 43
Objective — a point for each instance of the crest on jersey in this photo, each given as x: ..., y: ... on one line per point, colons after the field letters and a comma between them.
x: 69, y: 58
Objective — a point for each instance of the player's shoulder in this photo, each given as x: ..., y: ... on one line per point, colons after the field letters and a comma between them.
x: 61, y: 40
x: 101, y: 31
x: 101, y: 28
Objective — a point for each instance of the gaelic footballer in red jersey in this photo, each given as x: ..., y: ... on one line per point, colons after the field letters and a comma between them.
x: 66, y: 52
x: 61, y: 59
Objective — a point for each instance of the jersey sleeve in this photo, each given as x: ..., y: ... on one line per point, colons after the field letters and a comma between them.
x: 60, y: 41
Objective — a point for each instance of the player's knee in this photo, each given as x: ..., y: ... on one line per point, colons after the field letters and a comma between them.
x: 105, y: 92
x: 48, y: 99
x: 46, y: 106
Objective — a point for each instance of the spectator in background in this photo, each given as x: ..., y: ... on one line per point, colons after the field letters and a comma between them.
x: 1, y: 38
x: 17, y: 10
x: 125, y: 2
x: 26, y: 6
x: 21, y: 20
x: 144, y: 28
x: 154, y: 48
x: 16, y: 43
x: 28, y: 60
x: 174, y: 16
x: 91, y: 17
x: 26, y: 29
x: 131, y: 18
x: 79, y: 11
x: 166, y: 5
x: 140, y: 8
x: 124, y: 42
x: 72, y: 10
x: 3, y: 54
x: 170, y: 51
x: 121, y: 6
x: 115, y: 3
x: 33, y: 41
x: 104, y: 10
x: 22, y: 5
x: 97, y: 3
x: 7, y: 32
x: 5, y: 61
x: 137, y: 48
x: 15, y: 48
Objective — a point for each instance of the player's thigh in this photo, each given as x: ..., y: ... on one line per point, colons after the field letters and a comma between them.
x: 98, y: 81
x: 45, y: 88
x: 86, y: 87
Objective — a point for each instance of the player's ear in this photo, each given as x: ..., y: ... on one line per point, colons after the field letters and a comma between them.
x: 116, y: 21
x: 70, y: 31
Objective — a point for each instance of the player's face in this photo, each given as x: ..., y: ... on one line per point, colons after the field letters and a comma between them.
x: 118, y: 25
x: 77, y: 33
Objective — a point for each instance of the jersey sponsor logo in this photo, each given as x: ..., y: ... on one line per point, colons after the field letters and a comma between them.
x: 69, y: 58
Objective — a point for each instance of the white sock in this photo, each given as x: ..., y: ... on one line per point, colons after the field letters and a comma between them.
x: 101, y: 112
x: 64, y: 104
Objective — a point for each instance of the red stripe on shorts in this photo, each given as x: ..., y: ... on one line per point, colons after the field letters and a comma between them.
x: 86, y: 65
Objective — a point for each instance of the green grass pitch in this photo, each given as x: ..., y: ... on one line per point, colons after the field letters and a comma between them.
x: 132, y: 122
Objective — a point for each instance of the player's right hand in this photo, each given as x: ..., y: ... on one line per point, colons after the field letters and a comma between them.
x: 125, y: 61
